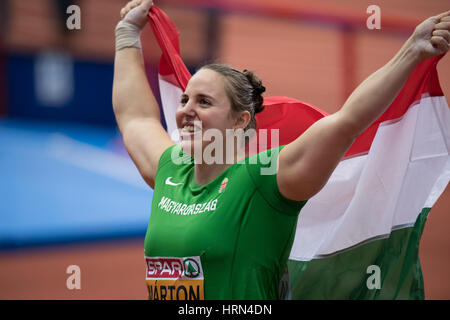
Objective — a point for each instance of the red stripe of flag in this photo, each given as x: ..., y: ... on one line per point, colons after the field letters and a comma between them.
x: 289, y: 115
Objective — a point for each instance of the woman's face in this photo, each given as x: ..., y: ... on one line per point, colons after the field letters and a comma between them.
x: 204, y: 109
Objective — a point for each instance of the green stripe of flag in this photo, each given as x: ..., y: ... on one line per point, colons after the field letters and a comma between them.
x: 345, y: 275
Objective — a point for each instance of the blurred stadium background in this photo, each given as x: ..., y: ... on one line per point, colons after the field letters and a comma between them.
x: 69, y: 192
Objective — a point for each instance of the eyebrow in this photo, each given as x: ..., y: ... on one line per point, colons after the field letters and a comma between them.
x: 201, y: 95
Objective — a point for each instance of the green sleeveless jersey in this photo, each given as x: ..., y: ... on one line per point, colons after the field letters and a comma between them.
x: 228, y: 239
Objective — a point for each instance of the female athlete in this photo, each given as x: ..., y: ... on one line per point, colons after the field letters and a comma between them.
x: 223, y: 229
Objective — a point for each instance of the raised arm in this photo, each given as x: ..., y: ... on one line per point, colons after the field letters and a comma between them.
x: 306, y: 164
x: 136, y: 110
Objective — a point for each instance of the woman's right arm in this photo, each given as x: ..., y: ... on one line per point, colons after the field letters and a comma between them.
x: 136, y: 110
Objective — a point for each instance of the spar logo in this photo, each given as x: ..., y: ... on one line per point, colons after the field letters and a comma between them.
x: 173, y: 278
x: 174, y: 268
x: 191, y: 268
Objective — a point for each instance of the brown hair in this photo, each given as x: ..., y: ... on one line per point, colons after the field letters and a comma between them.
x: 244, y: 89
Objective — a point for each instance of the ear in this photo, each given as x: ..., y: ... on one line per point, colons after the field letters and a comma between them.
x: 242, y: 120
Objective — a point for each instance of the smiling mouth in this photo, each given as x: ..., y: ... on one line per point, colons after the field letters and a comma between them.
x: 191, y: 127
x: 190, y: 130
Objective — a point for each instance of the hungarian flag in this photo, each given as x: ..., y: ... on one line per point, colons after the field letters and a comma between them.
x: 358, y: 238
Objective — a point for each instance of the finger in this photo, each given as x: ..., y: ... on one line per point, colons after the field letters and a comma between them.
x: 440, y: 44
x: 445, y: 19
x: 443, y: 14
x: 147, y: 4
x: 123, y: 12
x: 133, y: 4
x: 442, y: 26
x: 442, y: 33
x: 130, y: 5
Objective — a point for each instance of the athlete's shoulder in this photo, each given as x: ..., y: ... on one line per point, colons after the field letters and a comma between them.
x: 264, y: 158
x: 262, y: 168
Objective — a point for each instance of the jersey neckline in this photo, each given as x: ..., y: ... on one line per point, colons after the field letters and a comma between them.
x: 195, y: 188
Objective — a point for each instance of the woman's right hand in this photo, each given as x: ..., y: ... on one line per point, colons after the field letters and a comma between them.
x: 136, y: 12
x: 432, y: 37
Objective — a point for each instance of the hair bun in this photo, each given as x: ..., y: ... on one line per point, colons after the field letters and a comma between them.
x: 258, y: 90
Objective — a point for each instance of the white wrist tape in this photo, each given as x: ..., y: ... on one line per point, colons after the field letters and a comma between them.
x: 127, y: 36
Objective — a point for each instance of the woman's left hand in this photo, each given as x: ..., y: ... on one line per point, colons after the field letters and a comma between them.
x: 432, y: 37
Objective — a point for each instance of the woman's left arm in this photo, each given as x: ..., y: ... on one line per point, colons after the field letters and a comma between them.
x: 306, y: 164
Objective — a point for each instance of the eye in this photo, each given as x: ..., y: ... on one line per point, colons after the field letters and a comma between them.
x: 184, y: 100
x: 205, y: 102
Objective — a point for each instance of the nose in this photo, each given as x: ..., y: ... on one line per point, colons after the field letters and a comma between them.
x: 188, y: 109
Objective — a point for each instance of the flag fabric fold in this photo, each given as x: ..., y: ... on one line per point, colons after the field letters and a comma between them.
x: 359, y: 237
x: 173, y: 76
